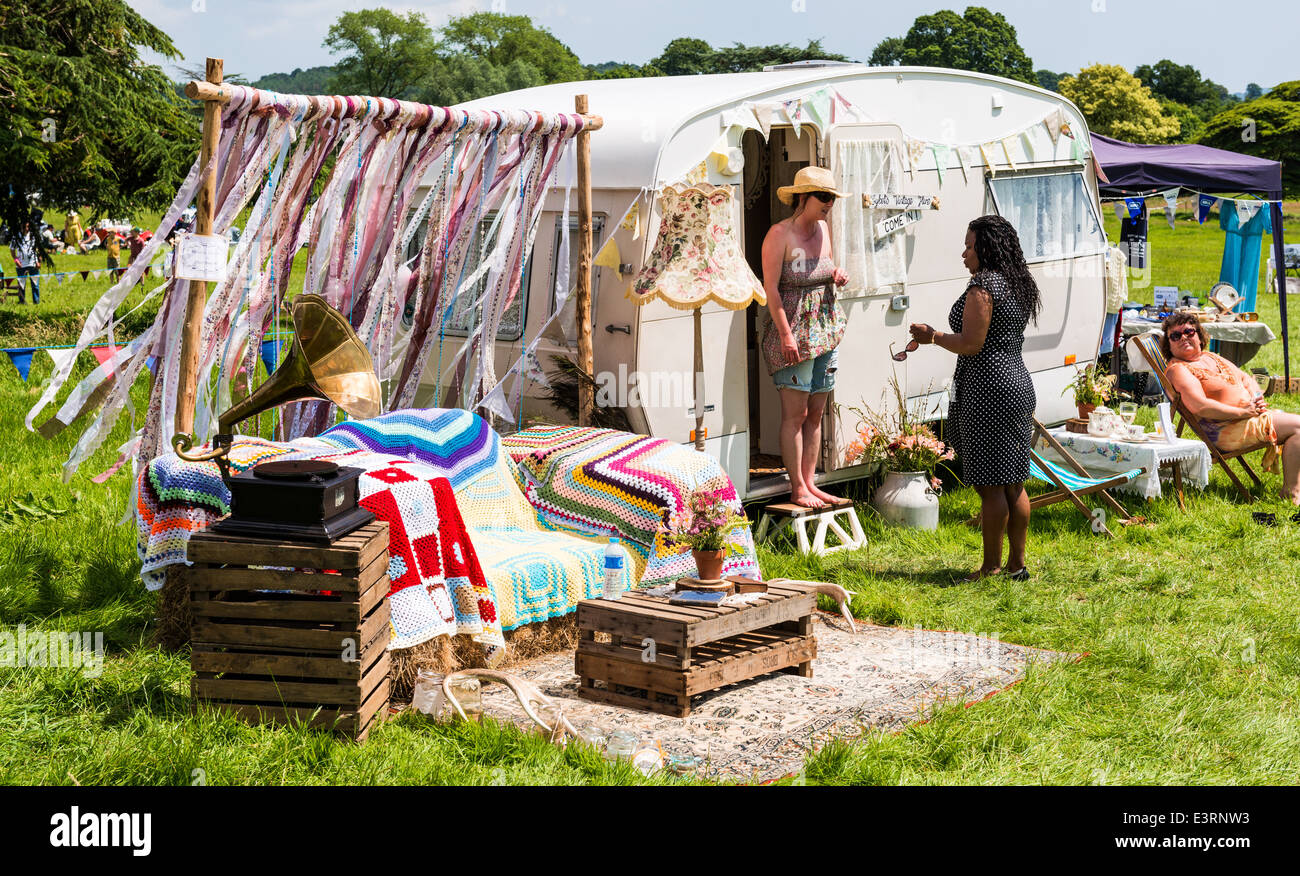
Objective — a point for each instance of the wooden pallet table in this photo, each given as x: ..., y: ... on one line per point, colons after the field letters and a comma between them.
x: 307, y: 643
x: 643, y: 653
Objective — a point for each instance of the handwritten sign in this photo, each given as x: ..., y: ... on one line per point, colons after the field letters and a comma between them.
x: 901, y: 202
x: 201, y: 257
x: 897, y: 222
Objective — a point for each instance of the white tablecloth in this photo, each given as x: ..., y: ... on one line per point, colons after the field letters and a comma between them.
x: 1104, y: 456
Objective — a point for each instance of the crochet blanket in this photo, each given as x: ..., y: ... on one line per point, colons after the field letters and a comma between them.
x: 603, y: 482
x: 438, y: 585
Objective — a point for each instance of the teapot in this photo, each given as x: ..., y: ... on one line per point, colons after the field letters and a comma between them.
x: 1104, y: 422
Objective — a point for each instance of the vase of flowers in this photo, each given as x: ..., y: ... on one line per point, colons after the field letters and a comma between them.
x: 705, y: 526
x: 1092, y: 386
x: 901, y: 445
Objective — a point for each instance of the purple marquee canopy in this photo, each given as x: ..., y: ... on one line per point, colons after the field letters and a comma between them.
x: 1134, y: 168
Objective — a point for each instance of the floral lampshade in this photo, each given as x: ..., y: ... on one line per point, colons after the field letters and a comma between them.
x: 696, y: 258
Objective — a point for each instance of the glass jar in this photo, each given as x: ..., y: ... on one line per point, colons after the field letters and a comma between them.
x: 552, y: 714
x: 466, y: 691
x: 684, y: 765
x: 620, y: 744
x: 593, y: 735
x: 649, y: 756
x: 427, y: 697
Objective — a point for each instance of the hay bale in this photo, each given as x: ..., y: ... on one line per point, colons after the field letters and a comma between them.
x: 174, y: 619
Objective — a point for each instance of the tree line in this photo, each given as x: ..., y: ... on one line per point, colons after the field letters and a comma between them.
x: 89, y: 124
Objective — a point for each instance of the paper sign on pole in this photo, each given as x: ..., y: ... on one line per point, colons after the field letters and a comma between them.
x: 900, y: 202
x: 201, y: 257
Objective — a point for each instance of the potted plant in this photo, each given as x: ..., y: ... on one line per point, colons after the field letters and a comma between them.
x: 901, y: 445
x: 1092, y: 387
x: 704, y: 526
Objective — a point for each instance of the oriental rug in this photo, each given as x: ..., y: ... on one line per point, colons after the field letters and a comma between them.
x: 879, y: 679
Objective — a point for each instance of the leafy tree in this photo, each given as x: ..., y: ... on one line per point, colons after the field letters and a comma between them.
x: 616, y: 70
x: 1047, y: 79
x: 1253, y: 91
x: 1116, y: 104
x: 313, y: 80
x: 503, y: 39
x: 1268, y: 126
x: 1190, y: 122
x: 86, y: 123
x: 387, y: 55
x: 978, y: 40
x: 1184, y: 84
x: 464, y: 77
x: 686, y: 56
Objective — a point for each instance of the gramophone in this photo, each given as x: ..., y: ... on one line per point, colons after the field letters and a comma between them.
x: 309, y: 500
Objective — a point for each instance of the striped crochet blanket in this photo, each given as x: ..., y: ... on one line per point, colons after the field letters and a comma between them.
x: 601, y: 482
x: 438, y: 586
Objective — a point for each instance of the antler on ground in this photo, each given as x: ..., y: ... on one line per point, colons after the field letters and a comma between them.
x: 528, y: 695
x: 834, y: 591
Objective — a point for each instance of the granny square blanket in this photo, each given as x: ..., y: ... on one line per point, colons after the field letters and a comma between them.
x: 605, y: 482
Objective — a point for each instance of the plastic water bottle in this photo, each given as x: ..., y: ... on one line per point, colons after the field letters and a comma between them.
x: 613, y: 570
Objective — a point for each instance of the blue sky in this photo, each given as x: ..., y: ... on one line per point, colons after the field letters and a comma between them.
x: 1231, y: 43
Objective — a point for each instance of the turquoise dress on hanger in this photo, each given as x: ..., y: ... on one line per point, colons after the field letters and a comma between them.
x: 1241, y: 250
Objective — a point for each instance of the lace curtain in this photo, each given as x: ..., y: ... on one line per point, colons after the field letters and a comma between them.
x: 1052, y: 213
x: 867, y: 167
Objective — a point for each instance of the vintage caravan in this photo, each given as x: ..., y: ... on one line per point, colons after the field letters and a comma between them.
x: 975, y: 144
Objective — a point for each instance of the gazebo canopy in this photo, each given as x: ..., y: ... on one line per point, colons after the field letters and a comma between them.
x: 1134, y: 167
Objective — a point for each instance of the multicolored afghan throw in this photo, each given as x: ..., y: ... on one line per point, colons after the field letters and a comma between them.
x: 602, y: 482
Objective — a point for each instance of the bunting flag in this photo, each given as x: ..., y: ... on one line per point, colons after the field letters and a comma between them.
x: 1134, y: 207
x: 819, y: 108
x: 763, y: 116
x: 793, y: 115
x: 915, y: 152
x: 1246, y: 210
x: 84, y: 274
x: 1203, y: 205
x: 1077, y: 152
x: 1121, y: 212
x: 941, y: 155
x: 608, y: 257
x: 1031, y: 150
x: 988, y: 160
x: 61, y: 357
x: 533, y: 369
x: 1054, y: 122
x: 22, y: 359
x: 1171, y: 205
x: 104, y: 354
x: 1007, y: 143
x: 632, y: 219
x: 268, y: 355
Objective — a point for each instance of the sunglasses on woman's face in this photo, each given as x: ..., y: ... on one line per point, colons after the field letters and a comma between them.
x: 912, y: 346
x: 824, y: 197
x: 1185, y: 333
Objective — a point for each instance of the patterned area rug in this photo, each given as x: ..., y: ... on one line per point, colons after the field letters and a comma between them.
x: 882, y: 678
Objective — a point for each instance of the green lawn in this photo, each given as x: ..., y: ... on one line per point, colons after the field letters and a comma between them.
x: 1191, y: 627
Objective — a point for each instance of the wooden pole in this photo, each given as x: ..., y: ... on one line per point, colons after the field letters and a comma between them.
x: 198, y: 291
x: 699, y: 380
x: 586, y: 362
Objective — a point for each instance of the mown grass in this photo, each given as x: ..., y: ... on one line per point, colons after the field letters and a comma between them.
x: 1191, y: 627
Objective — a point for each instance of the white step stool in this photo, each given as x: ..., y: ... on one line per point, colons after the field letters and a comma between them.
x: 797, y: 517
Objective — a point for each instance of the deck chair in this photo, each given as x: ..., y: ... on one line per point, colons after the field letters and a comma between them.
x: 1149, y: 345
x: 1072, y: 481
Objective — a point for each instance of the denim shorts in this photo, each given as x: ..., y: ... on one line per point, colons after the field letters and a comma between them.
x: 810, y: 375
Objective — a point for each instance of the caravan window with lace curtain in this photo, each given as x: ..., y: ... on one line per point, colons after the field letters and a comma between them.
x: 1053, y: 213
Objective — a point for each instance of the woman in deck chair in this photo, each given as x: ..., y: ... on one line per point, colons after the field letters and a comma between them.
x: 1227, y: 403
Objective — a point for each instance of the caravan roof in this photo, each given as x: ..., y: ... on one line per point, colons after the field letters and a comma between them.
x: 642, y: 114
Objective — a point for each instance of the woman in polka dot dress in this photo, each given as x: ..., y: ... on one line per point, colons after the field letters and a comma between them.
x: 990, y: 419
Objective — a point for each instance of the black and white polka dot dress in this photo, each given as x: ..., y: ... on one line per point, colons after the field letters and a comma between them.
x: 990, y: 417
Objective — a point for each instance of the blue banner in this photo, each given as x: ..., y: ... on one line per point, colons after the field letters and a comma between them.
x: 1134, y: 207
x: 1203, y: 205
x: 22, y: 359
x: 268, y: 356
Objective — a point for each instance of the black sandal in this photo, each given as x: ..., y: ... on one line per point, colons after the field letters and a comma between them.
x: 1021, y: 574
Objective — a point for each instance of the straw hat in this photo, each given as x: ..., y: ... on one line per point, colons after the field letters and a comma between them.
x: 809, y: 179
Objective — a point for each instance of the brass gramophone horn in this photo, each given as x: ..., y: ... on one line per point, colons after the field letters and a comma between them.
x: 327, y: 361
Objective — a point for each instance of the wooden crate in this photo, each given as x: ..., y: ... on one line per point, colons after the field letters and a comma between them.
x: 274, y: 645
x: 696, y: 650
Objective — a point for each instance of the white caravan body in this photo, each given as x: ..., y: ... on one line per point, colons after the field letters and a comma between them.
x: 656, y: 130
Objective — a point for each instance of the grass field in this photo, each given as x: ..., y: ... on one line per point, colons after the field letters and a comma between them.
x: 1191, y: 626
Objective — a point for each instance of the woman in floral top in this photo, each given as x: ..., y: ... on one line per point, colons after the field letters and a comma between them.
x: 804, y: 326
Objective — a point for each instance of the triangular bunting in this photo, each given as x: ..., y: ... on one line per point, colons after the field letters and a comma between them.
x: 1054, y: 121
x: 1246, y: 210
x: 632, y: 219
x: 941, y: 155
x: 1203, y: 205
x: 608, y: 257
x: 532, y: 368
x: 1169, y: 216
x: 60, y: 356
x: 763, y: 115
x: 988, y: 160
x: 1134, y: 206
x: 819, y: 108
x: 268, y: 356
x: 1027, y: 138
x: 84, y: 274
x: 915, y: 152
x: 22, y: 359
x: 1007, y: 143
x: 104, y: 354
x: 1121, y: 212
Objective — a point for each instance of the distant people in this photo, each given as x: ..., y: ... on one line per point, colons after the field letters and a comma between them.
x: 72, y: 233
x: 112, y: 249
x: 136, y: 242
x: 27, y: 262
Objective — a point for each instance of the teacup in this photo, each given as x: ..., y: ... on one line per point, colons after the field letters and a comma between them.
x: 1136, y: 431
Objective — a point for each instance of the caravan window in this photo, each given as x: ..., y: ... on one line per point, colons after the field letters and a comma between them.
x: 597, y: 230
x: 1053, y: 213
x: 512, y: 321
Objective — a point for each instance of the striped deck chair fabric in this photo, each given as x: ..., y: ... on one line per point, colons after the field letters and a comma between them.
x: 1038, y: 469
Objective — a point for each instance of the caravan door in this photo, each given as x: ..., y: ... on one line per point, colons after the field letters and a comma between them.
x: 867, y: 159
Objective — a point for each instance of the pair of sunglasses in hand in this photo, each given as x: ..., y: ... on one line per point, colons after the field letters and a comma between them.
x: 912, y: 346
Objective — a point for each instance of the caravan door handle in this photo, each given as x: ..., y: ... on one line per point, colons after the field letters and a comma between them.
x: 625, y: 329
